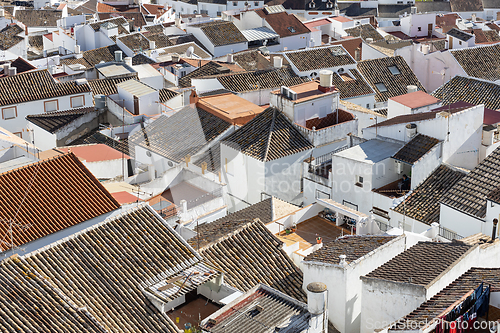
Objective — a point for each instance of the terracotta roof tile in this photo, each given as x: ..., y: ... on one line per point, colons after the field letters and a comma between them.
x: 422, y: 263
x: 319, y: 57
x: 269, y: 136
x: 8, y: 36
x: 377, y: 71
x: 136, y: 18
x: 97, y: 137
x: 53, y: 121
x: 351, y: 44
x: 466, y: 5
x: 221, y: 32
x: 22, y: 65
x: 449, y: 295
x: 351, y: 86
x: 469, y: 194
x: 210, y: 68
x: 135, y: 42
x: 250, y: 255
x: 107, y: 86
x: 423, y: 203
x: 36, y: 85
x: 63, y: 193
x: 415, y: 149
x: 486, y: 36
x: 481, y: 62
x: 353, y: 247
x: 283, y: 23
x: 104, y: 270
x: 364, y: 31
x: 170, y: 137
x: 470, y: 90
x: 39, y: 18
x: 252, y: 60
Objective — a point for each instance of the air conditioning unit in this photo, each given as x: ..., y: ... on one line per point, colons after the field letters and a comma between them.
x: 292, y: 95
x: 399, y: 167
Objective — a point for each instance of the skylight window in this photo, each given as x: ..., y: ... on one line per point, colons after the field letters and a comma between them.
x: 381, y: 87
x: 394, y: 70
x: 291, y: 29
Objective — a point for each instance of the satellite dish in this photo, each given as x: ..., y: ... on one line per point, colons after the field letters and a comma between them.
x: 190, y: 51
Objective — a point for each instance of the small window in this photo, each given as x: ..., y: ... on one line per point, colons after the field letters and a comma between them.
x: 9, y: 113
x: 256, y: 3
x: 235, y: 3
x: 19, y: 134
x: 77, y: 101
x: 381, y: 87
x: 291, y: 29
x: 459, y: 42
x: 359, y: 181
x: 394, y: 70
x: 419, y: 28
x: 229, y: 167
x: 51, y: 106
x: 368, y: 105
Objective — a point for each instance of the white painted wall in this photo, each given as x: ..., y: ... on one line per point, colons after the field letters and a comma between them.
x: 462, y: 223
x: 344, y: 284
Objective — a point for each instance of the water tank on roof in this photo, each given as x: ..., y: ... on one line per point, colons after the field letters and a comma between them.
x: 118, y: 56
x: 100, y: 102
x: 411, y: 130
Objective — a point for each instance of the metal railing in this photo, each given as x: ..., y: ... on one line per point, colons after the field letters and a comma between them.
x: 448, y: 234
x: 204, y: 198
x: 383, y: 226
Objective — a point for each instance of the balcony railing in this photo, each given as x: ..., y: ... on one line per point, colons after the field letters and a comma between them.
x: 448, y: 234
x: 204, y: 198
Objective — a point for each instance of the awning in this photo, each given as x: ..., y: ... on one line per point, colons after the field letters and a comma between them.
x: 261, y: 33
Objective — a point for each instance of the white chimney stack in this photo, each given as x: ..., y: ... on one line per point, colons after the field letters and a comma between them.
x: 152, y: 45
x: 77, y: 49
x: 12, y: 71
x: 128, y: 61
x: 342, y: 260
x: 278, y: 62
x: 317, y: 305
x: 230, y: 58
x: 326, y: 81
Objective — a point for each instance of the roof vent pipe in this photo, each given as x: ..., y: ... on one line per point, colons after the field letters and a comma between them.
x: 317, y: 305
x: 411, y: 130
x: 118, y: 56
x: 493, y: 234
x: 411, y: 88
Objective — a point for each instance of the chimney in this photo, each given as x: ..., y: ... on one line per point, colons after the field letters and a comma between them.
x: 343, y: 261
x: 317, y: 305
x: 152, y: 45
x: 473, y: 17
x: 12, y: 71
x: 411, y: 88
x: 493, y: 234
x: 357, y: 54
x: 128, y: 61
x: 6, y: 69
x: 369, y: 40
x: 230, y: 58
x: 77, y: 49
x: 325, y: 81
x: 118, y: 56
x: 175, y: 58
x: 278, y: 62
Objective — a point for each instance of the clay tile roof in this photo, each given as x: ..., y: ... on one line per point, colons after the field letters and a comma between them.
x: 136, y: 18
x: 269, y: 136
x: 36, y: 85
x: 22, y: 65
x: 319, y: 57
x: 422, y: 263
x: 119, y: 21
x: 107, y: 86
x: 170, y: 137
x: 166, y: 94
x: 212, y: 157
x: 93, y: 57
x: 366, y: 31
x: 353, y: 247
x: 486, y: 36
x: 103, y: 8
x: 39, y: 17
x: 252, y: 60
x: 459, y: 34
x: 351, y: 44
x: 221, y: 32
x: 152, y: 9
x: 423, y: 203
x: 210, y: 68
x: 283, y: 23
x: 154, y: 29
x: 493, y: 26
x: 470, y: 90
x: 276, y: 310
x: 210, y: 233
x: 135, y: 42
x: 104, y: 270
x: 469, y: 194
x: 415, y: 149
x: 8, y: 36
x: 36, y: 42
x: 182, y: 48
x: 53, y: 121
x: 352, y: 85
x: 377, y: 71
x: 264, y: 79
x: 63, y: 193
x: 466, y: 5
x: 481, y: 62
x: 415, y: 99
x: 250, y: 254
x: 452, y: 293
x: 142, y: 59
x: 122, y: 146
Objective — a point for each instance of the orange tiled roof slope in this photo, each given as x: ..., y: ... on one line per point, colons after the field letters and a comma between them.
x: 62, y: 193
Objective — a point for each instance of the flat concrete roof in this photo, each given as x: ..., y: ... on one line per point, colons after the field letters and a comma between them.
x: 136, y: 88
x: 230, y: 107
x: 371, y: 151
x: 146, y: 70
x: 415, y: 99
x: 113, y: 70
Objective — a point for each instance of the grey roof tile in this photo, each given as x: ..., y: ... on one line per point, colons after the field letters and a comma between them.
x: 416, y: 148
x: 53, y: 121
x: 221, y: 32
x: 319, y: 57
x: 481, y: 62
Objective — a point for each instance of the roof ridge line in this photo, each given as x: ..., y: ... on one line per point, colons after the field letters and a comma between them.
x: 270, y: 134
